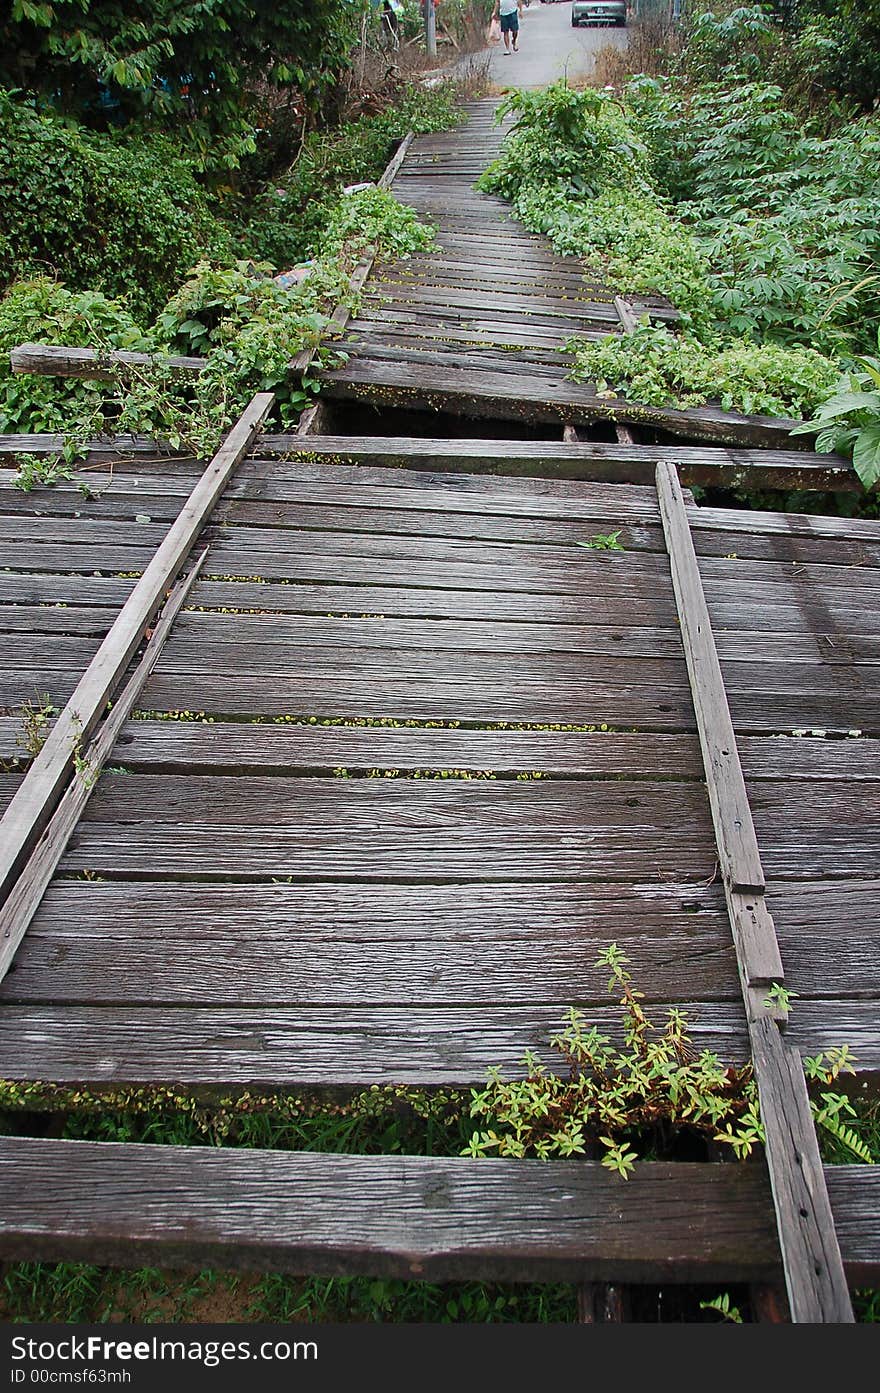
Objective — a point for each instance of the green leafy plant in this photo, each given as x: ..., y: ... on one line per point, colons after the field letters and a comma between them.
x: 779, y: 997
x: 36, y: 718
x: 245, y: 323
x: 628, y: 1100
x: 849, y: 421
x: 101, y: 212
x: 724, y: 1307
x: 640, y: 1099
x: 603, y: 541
x: 661, y: 368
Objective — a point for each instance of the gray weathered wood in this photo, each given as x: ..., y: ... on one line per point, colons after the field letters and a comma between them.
x: 625, y: 314
x: 814, y: 1273
x: 274, y: 1047
x: 587, y: 460
x: 423, y: 1217
x: 812, y: 1263
x: 29, y: 811
x: 738, y: 853
x: 386, y: 179
x: 23, y: 899
x: 53, y: 360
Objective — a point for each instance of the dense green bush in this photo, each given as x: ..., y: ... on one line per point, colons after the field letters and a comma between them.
x: 126, y: 217
x: 287, y: 219
x: 246, y: 324
x: 658, y: 367
x: 788, y: 220
x: 585, y: 170
x: 192, y: 67
x: 815, y: 49
x: 43, y: 311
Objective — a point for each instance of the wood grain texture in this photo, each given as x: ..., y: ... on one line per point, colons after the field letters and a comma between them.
x: 423, y: 1217
x: 240, y: 748
x: 26, y: 816
x: 293, y: 1047
x: 811, y: 1256
x: 21, y: 903
x: 53, y: 360
x: 738, y: 853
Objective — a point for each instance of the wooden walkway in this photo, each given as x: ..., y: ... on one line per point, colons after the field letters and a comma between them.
x: 402, y: 734
x: 478, y: 327
x: 446, y: 608
x: 321, y: 853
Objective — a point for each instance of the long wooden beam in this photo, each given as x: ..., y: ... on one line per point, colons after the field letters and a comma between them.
x: 594, y: 460
x: 24, y: 898
x: 814, y: 1273
x: 53, y: 360
x: 342, y: 313
x: 407, y: 1216
x: 41, y: 788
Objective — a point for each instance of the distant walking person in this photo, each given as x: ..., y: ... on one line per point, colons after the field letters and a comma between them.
x: 509, y: 11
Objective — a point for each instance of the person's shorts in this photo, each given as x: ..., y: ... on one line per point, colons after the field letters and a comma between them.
x: 510, y: 23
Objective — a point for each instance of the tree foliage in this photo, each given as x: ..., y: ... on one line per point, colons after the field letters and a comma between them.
x: 190, y: 64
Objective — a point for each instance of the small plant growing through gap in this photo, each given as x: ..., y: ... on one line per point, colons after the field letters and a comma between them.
x: 603, y: 541
x: 642, y: 1099
x: 86, y: 772
x: 722, y: 1303
x: 35, y: 718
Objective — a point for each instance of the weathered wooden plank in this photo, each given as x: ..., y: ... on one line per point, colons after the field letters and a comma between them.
x: 422, y: 1217
x: 590, y: 460
x: 475, y: 950
x: 448, y: 804
x: 80, y: 531
x: 425, y: 1217
x: 386, y: 179
x: 449, y: 699
x: 26, y: 816
x: 738, y: 854
x: 328, y: 911
x: 279, y: 1048
x: 101, y: 449
x: 34, y: 588
x: 493, y: 395
x: 752, y: 609
x: 812, y: 1262
x: 20, y: 905
x: 241, y: 748
x: 259, y: 633
x: 53, y: 360
x: 294, y: 970
x: 86, y: 622
x: 481, y: 854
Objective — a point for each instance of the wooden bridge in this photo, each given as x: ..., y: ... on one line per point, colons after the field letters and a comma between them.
x: 413, y: 749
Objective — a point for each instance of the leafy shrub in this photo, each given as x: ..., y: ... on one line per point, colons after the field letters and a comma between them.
x: 43, y: 311
x: 654, y: 366
x: 733, y: 45
x: 835, y: 47
x: 240, y: 318
x: 788, y: 221
x: 285, y: 221
x: 187, y: 68
x: 648, y: 1093
x: 849, y: 421
x: 124, y: 218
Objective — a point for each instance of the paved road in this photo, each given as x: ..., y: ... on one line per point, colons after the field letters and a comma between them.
x: 549, y: 48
